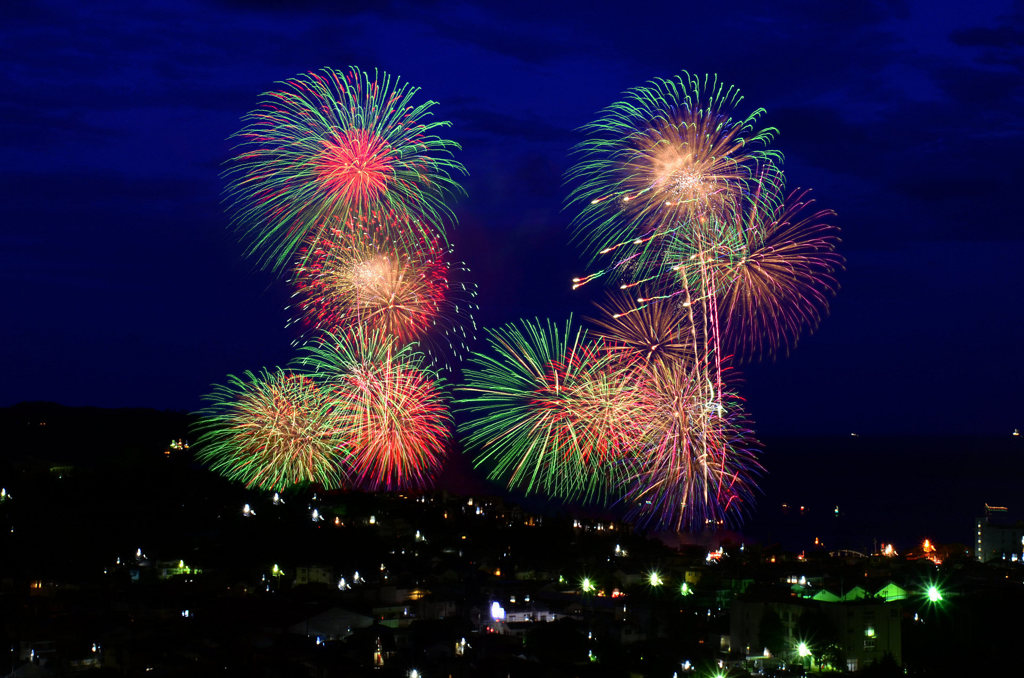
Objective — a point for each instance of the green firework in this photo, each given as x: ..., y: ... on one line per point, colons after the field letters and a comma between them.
x: 334, y: 146
x: 549, y: 413
x: 273, y: 429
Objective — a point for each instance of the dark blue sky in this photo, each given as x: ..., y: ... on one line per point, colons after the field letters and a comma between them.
x: 121, y: 285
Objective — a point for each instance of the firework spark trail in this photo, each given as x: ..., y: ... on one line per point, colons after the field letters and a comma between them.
x: 781, y: 284
x: 333, y: 146
x: 272, y: 430
x: 637, y: 335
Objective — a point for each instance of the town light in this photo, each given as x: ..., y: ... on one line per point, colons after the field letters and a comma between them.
x: 586, y: 585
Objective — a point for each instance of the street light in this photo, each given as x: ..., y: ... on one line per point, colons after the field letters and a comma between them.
x: 803, y: 651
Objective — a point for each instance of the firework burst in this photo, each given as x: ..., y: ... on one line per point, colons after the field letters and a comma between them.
x: 696, y: 463
x: 549, y: 413
x: 272, y: 430
x: 330, y: 146
x: 770, y: 277
x: 680, y: 196
x: 374, y: 274
x: 667, y: 158
x: 391, y: 406
x: 637, y: 333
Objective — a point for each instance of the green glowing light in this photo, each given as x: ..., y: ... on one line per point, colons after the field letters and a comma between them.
x: 934, y: 593
x: 654, y: 579
x: 803, y: 650
x: 685, y: 590
x: 586, y: 585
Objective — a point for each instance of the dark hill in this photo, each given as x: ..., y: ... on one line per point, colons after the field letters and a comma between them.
x: 43, y: 432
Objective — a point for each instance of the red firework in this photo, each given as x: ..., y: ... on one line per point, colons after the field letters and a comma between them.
x: 399, y: 426
x: 587, y: 412
x: 355, y: 166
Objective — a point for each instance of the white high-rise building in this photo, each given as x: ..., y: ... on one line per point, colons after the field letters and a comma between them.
x: 997, y: 537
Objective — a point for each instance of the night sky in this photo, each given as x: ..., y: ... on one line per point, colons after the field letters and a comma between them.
x: 122, y: 286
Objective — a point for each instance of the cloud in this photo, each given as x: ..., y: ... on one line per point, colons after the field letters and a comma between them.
x: 509, y: 127
x: 981, y: 87
x: 300, y: 7
x: 1003, y: 36
x: 531, y: 42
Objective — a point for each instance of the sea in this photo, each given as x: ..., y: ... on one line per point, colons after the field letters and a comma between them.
x: 858, y: 492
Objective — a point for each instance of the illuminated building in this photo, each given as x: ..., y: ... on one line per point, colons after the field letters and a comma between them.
x: 866, y: 628
x: 332, y: 624
x: 997, y: 537
x: 313, y: 574
x: 517, y: 617
x: 167, y: 569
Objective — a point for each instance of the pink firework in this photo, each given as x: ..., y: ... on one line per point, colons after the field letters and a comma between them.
x: 780, y: 280
x: 695, y: 464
